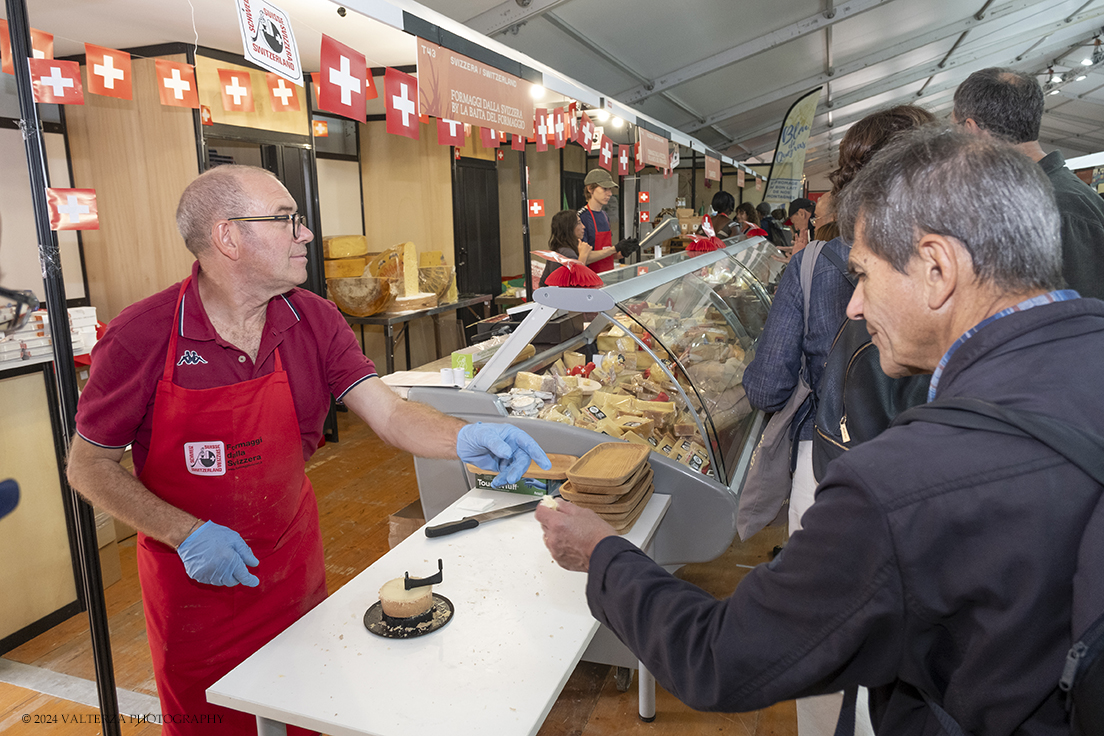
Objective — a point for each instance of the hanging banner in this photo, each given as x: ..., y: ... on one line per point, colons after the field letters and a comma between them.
x: 740, y: 178
x: 784, y: 179
x: 283, y: 97
x: 712, y: 168
x: 759, y: 185
x: 108, y: 72
x: 653, y: 149
x: 268, y: 40
x: 455, y: 87
x: 72, y: 209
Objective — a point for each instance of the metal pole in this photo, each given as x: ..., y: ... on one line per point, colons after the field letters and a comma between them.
x: 82, y: 518
x: 525, y: 224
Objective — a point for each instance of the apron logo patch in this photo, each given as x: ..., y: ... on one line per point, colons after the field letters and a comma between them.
x: 191, y: 357
x: 205, y: 458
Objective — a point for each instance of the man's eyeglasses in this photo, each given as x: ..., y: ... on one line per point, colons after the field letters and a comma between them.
x: 15, y: 309
x: 295, y: 219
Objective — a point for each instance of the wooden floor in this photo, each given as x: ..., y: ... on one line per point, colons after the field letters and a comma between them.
x: 360, y: 482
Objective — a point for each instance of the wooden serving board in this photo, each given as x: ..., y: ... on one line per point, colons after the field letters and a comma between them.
x: 567, y: 490
x: 623, y: 526
x: 608, y: 464
x: 558, y: 471
x: 618, y: 491
x: 619, y: 505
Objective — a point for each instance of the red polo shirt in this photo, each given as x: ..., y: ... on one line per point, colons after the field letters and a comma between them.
x: 319, y: 351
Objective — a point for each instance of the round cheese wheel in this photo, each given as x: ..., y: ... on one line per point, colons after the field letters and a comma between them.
x: 398, y: 602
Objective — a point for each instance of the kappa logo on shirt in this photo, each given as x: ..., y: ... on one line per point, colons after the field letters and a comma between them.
x: 191, y: 357
x: 205, y: 458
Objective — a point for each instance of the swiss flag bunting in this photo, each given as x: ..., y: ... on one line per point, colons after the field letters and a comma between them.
x: 72, y: 209
x: 536, y: 208
x: 586, y: 132
x: 320, y: 128
x: 42, y: 46
x: 283, y: 96
x: 605, y: 153
x: 645, y: 216
x: 108, y: 72
x: 541, y: 129
x: 450, y: 132
x: 237, y: 90
x: 559, y: 129
x: 488, y: 137
x: 624, y: 153
x: 371, y: 92
x: 639, y: 156
x: 205, y: 116
x: 57, y: 82
x: 176, y: 84
x: 341, y: 81
x: 517, y: 142
x: 400, y: 95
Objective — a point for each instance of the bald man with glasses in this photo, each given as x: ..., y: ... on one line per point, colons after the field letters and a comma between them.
x: 220, y: 384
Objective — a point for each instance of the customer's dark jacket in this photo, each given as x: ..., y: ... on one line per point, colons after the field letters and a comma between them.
x: 1082, y: 212
x: 934, y: 559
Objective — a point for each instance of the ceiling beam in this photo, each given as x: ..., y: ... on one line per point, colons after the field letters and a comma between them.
x: 765, y: 42
x: 868, y: 60
x: 507, y: 14
x: 983, y: 54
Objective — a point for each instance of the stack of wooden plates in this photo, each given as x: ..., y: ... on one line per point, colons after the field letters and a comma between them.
x: 614, y: 480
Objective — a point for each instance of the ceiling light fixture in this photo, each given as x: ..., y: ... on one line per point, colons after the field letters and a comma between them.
x: 536, y: 91
x: 603, y: 115
x: 617, y: 122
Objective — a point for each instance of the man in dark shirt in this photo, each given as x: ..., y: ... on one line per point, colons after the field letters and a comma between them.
x: 1008, y: 105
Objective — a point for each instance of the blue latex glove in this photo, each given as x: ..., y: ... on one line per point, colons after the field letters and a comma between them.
x: 217, y: 555
x: 502, y: 448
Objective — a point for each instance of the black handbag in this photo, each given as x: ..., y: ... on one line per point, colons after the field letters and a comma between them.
x: 856, y: 401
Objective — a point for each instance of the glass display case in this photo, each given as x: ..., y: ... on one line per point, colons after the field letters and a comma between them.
x: 660, y: 360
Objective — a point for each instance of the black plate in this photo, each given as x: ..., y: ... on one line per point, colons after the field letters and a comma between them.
x: 439, y: 615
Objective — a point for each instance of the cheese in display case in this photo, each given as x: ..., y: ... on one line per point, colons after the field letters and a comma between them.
x: 662, y: 365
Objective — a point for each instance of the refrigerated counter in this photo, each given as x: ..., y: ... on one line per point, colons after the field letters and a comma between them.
x: 656, y: 358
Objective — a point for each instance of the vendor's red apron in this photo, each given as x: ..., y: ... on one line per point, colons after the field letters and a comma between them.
x: 601, y: 241
x: 233, y: 455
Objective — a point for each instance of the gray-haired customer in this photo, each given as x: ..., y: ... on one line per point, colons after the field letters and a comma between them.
x: 1008, y: 105
x: 936, y: 562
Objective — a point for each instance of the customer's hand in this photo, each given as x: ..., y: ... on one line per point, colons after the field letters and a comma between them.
x: 503, y: 448
x: 217, y: 555
x: 571, y: 533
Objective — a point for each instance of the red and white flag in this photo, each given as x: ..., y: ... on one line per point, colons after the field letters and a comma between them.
x: 205, y: 116
x: 42, y: 46
x: 517, y: 142
x: 586, y: 132
x: 237, y: 90
x: 450, y: 132
x: 639, y: 156
x: 176, y: 84
x: 644, y: 216
x: 57, y: 82
x: 108, y: 72
x: 623, y: 156
x: 341, y: 81
x: 488, y: 137
x: 400, y: 96
x: 541, y: 129
x: 371, y: 92
x: 536, y: 208
x: 605, y: 153
x: 559, y: 127
x: 500, y: 154
x: 643, y: 197
x: 283, y: 96
x: 72, y: 209
x: 320, y: 128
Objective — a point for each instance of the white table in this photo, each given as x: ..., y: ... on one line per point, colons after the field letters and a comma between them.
x: 521, y: 624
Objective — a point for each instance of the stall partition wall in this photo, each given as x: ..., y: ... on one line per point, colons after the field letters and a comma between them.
x: 36, y: 565
x: 545, y: 182
x: 475, y: 213
x: 138, y: 155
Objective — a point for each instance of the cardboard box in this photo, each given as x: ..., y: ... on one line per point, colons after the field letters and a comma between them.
x: 123, y: 531
x: 111, y: 569
x: 405, y: 522
x: 105, y: 529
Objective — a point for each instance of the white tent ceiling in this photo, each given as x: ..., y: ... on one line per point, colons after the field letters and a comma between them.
x: 722, y: 71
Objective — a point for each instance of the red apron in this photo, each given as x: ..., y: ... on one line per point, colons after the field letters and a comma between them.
x: 233, y: 455
x: 601, y: 242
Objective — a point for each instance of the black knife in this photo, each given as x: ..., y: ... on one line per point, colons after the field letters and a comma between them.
x: 471, y: 522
